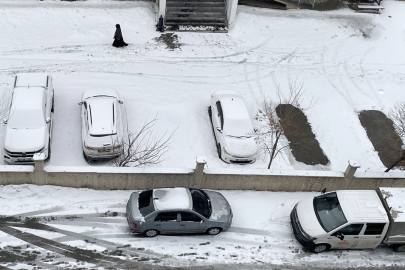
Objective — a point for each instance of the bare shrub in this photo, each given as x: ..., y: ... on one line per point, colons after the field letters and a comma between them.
x: 143, y: 148
x: 274, y: 122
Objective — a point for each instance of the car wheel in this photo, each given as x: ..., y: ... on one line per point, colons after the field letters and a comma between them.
x: 320, y: 248
x: 53, y: 104
x: 399, y: 248
x: 219, y: 150
x: 213, y: 231
x: 209, y: 112
x: 151, y: 233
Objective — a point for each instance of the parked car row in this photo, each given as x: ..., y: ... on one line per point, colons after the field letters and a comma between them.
x: 343, y: 219
x: 30, y: 119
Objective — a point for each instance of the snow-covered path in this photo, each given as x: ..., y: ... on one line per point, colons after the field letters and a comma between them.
x: 62, y: 225
x: 347, y: 62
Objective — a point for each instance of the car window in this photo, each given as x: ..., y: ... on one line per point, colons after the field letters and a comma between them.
x: 353, y: 229
x: 166, y: 217
x: 329, y: 212
x: 145, y: 202
x: 374, y: 228
x: 190, y: 217
x: 220, y: 114
x: 201, y: 202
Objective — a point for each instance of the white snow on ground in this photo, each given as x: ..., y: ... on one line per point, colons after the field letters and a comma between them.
x: 347, y: 62
x: 260, y: 232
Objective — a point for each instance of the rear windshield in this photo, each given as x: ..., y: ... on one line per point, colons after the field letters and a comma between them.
x: 145, y: 202
x: 201, y: 202
x: 328, y: 211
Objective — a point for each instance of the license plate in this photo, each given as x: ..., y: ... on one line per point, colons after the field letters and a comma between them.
x: 242, y: 160
x: 24, y: 159
x: 104, y: 150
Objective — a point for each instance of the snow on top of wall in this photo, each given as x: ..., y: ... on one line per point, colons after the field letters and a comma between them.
x: 273, y: 172
x: 83, y: 169
x: 379, y: 175
x: 171, y: 198
x: 16, y: 168
x: 395, y: 198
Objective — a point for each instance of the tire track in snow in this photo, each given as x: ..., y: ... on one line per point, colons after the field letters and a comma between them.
x: 366, y: 79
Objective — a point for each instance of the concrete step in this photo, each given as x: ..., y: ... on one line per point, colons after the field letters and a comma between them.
x: 198, y: 28
x: 195, y: 9
x: 199, y: 1
x: 195, y: 4
x: 196, y: 23
x: 199, y: 14
x: 195, y: 20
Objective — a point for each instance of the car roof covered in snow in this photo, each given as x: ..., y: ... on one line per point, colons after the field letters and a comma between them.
x: 99, y: 91
x: 172, y: 198
x: 237, y: 121
x: 103, y: 115
x: 27, y: 110
x: 361, y: 205
x: 31, y: 80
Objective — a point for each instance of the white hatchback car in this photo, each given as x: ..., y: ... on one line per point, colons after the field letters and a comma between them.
x: 28, y: 126
x: 102, y: 123
x: 232, y: 126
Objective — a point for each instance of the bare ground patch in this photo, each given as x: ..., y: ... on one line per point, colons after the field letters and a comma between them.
x: 381, y: 132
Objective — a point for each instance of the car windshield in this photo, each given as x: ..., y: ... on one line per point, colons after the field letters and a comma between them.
x: 145, y: 202
x: 328, y: 211
x: 201, y: 202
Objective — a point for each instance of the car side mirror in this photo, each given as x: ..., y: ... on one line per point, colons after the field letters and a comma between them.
x: 219, y: 130
x: 80, y: 103
x: 5, y: 120
x: 120, y: 102
x: 339, y: 235
x: 48, y: 119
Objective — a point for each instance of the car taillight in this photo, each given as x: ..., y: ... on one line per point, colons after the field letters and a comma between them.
x: 118, y: 146
x: 134, y: 224
x: 88, y: 147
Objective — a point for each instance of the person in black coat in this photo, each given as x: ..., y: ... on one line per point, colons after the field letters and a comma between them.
x: 118, y: 39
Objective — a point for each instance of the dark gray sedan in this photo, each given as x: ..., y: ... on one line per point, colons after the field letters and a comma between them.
x: 178, y: 210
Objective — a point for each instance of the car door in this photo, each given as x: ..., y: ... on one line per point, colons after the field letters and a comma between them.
x: 167, y: 222
x: 372, y: 235
x: 191, y: 223
x: 219, y: 122
x: 351, y: 235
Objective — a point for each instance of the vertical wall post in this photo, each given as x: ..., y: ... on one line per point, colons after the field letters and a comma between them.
x: 231, y: 6
x: 349, y: 173
x: 199, y: 171
x: 162, y: 8
x: 39, y: 172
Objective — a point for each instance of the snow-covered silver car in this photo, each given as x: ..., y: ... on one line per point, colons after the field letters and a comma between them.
x: 102, y: 123
x: 28, y: 125
x: 178, y: 210
x: 232, y: 126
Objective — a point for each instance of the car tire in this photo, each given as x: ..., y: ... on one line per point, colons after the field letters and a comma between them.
x: 210, y: 112
x: 150, y: 233
x: 399, y: 248
x: 219, y: 151
x: 213, y: 231
x: 320, y: 248
x: 53, y: 104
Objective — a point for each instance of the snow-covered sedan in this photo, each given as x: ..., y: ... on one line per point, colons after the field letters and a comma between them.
x: 232, y: 126
x: 178, y: 210
x: 28, y: 125
x: 102, y: 123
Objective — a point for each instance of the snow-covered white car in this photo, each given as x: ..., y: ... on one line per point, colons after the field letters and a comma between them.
x: 28, y: 125
x: 232, y: 126
x: 102, y: 123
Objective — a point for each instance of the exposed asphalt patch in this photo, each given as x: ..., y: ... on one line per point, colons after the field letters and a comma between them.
x: 381, y: 132
x: 171, y: 40
x: 303, y: 144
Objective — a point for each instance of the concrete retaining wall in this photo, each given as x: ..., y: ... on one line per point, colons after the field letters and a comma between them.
x: 241, y: 179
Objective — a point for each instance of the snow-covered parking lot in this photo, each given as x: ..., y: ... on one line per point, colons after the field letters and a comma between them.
x: 347, y: 62
x: 53, y: 227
